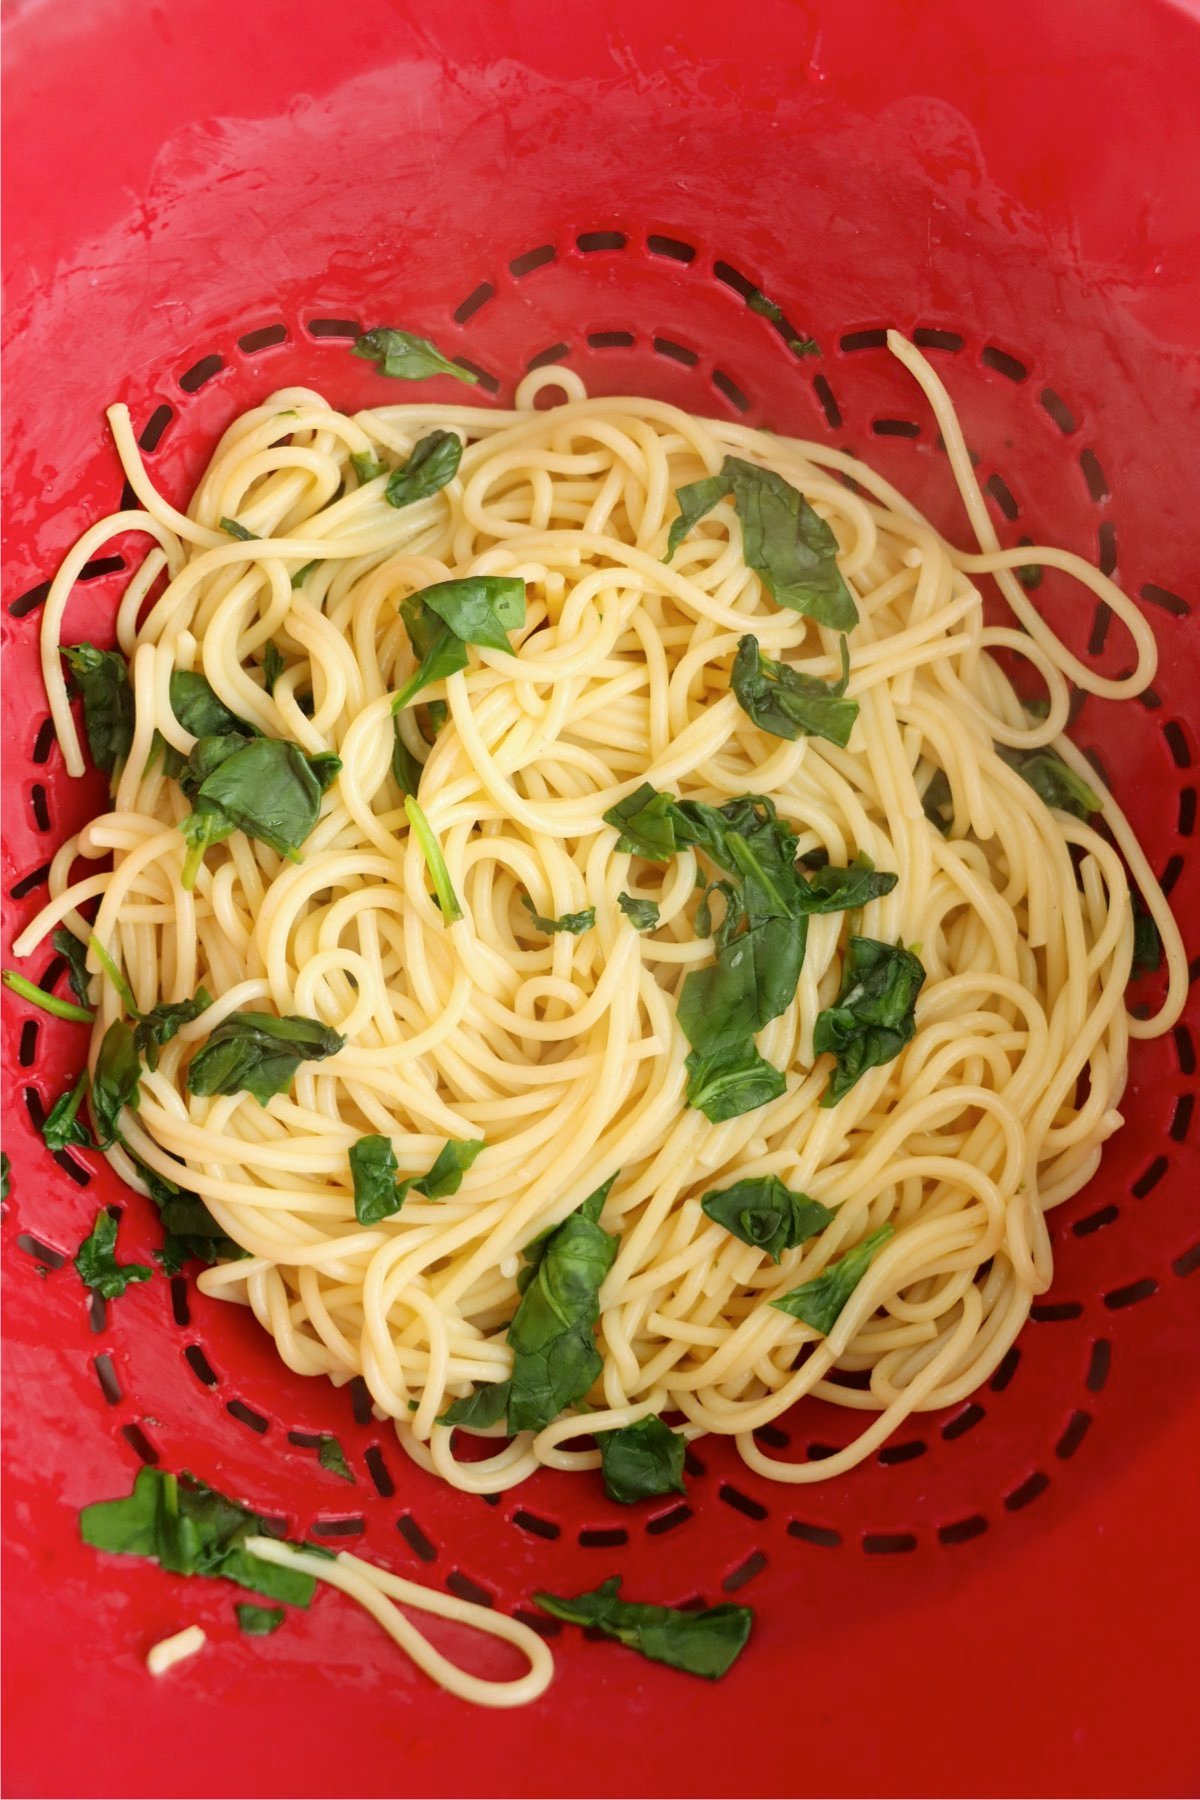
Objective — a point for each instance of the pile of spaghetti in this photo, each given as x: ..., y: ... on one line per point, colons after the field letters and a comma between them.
x: 589, y: 938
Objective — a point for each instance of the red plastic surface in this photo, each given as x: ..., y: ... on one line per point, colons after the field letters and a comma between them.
x: 1003, y: 1601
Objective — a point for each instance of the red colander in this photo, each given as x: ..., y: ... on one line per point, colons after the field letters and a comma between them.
x: 207, y: 201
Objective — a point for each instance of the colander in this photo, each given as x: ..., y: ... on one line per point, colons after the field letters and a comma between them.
x: 207, y: 201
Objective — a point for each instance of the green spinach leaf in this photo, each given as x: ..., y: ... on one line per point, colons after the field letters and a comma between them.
x: 450, y: 1165
x: 159, y: 1025
x: 259, y: 1053
x: 97, y: 1263
x: 273, y: 663
x: 435, y: 862
x: 819, y: 1301
x: 873, y: 1016
x: 190, y: 1529
x: 484, y: 1407
x: 331, y: 1456
x: 378, y: 1193
x: 575, y: 922
x: 1147, y: 942
x: 762, y: 1212
x: 727, y: 1082
x: 788, y: 703
x: 365, y: 467
x: 198, y: 709
x: 641, y: 1460
x: 114, y: 1081
x: 553, y: 1333
x: 752, y: 981
x: 236, y: 530
x: 789, y: 546
x: 704, y: 1643
x: 646, y: 821
x: 62, y: 1125
x: 938, y: 802
x: 190, y: 1229
x: 1053, y: 782
x: 406, y: 770
x: 434, y: 462
x: 258, y: 1621
x: 643, y: 915
x: 405, y: 357
x: 443, y: 619
x: 49, y: 1003
x: 102, y: 678
x: 75, y: 953
x: 835, y: 889
x: 266, y: 787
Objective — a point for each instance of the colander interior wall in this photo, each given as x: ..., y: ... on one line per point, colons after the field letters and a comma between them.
x: 206, y: 202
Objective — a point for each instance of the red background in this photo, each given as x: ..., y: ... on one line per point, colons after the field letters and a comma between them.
x: 1001, y: 1602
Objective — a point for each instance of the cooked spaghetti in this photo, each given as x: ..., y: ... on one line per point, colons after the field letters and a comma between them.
x: 519, y: 1029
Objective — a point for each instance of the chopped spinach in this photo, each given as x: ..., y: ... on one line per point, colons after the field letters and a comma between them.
x: 190, y: 1529
x: 762, y: 1212
x: 113, y: 972
x: 365, y: 467
x: 75, y: 953
x: 788, y: 703
x: 199, y: 710
x: 787, y: 544
x: 331, y: 1456
x: 405, y: 357
x: 443, y: 619
x: 114, y: 1081
x: 102, y: 678
x: 273, y: 664
x: 406, y: 770
x: 641, y: 1460
x: 435, y: 862
x: 266, y: 787
x: 159, y: 1025
x: 258, y: 1621
x: 553, y: 1333
x: 704, y: 1643
x: 768, y: 309
x: 646, y: 822
x: 832, y: 888
x: 190, y: 1229
x: 725, y: 1083
x: 97, y: 1263
x: 259, y: 1053
x: 236, y: 530
x: 873, y: 1016
x: 485, y: 1406
x: 761, y: 941
x: 574, y: 923
x: 434, y: 462
x: 643, y: 915
x: 62, y: 1125
x: 378, y: 1193
x: 1147, y: 942
x: 936, y: 799
x: 1053, y: 782
x: 49, y: 1003
x: 819, y: 1301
